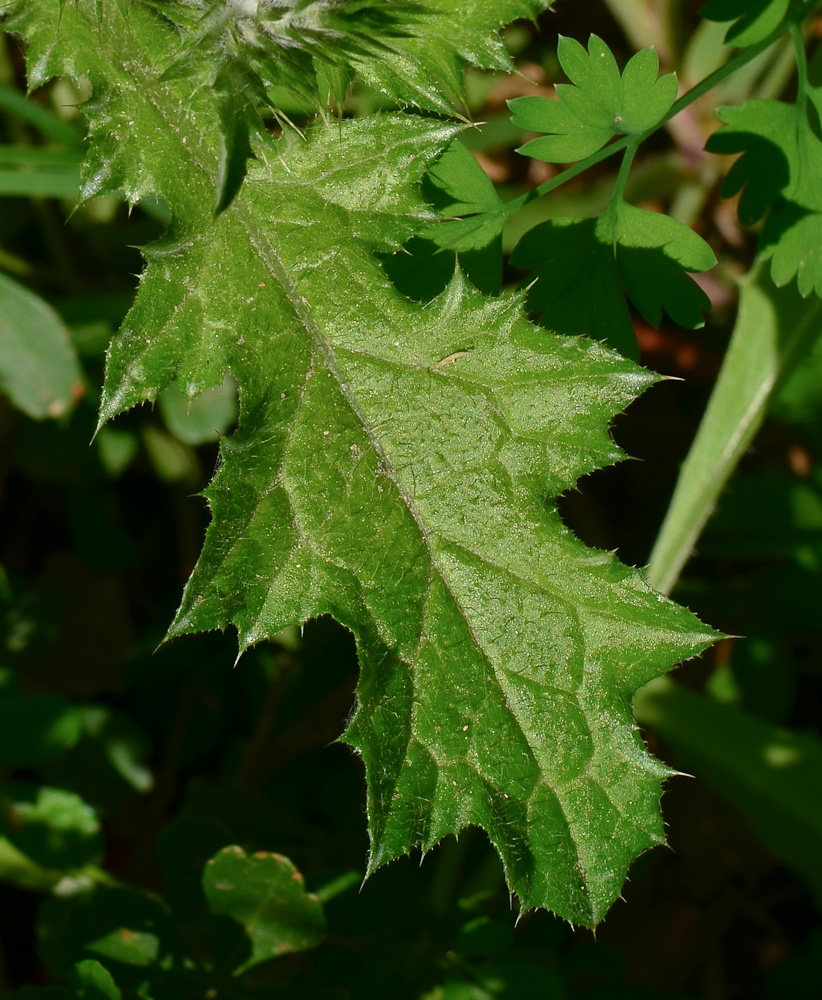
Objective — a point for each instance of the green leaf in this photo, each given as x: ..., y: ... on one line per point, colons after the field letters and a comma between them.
x: 36, y: 727
x: 54, y: 828
x: 39, y: 371
x: 778, y: 170
x: 93, y: 981
x: 753, y: 20
x: 265, y: 895
x: 629, y: 252
x: 115, y: 925
x: 394, y: 466
x: 464, y: 186
x: 600, y: 105
x: 773, y: 334
x: 204, y: 418
x: 460, y: 187
x: 410, y: 55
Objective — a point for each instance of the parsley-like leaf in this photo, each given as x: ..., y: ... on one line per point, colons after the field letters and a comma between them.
x: 778, y: 173
x: 601, y: 104
x: 586, y: 267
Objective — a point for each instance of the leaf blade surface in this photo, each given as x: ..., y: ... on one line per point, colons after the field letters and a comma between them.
x: 394, y: 466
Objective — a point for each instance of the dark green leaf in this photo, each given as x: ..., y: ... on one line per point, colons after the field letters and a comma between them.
x: 38, y: 367
x: 127, y: 930
x: 626, y: 252
x: 42, y: 993
x: 265, y: 895
x: 54, y: 828
x: 600, y: 105
x: 36, y: 727
x: 753, y: 20
x: 781, y: 160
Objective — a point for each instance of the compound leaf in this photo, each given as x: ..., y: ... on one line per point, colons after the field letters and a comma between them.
x: 394, y: 466
x: 626, y: 252
x: 777, y: 173
x: 600, y: 105
x: 753, y: 20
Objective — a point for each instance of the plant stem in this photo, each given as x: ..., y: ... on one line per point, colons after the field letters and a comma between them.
x: 801, y: 68
x: 773, y: 334
x: 624, y: 171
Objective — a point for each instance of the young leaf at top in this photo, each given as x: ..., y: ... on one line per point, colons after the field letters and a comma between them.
x: 601, y: 104
x: 586, y: 267
x: 394, y: 466
x: 411, y: 54
x: 778, y: 173
x: 753, y: 20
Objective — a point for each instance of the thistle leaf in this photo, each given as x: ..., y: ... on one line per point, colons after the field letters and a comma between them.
x: 394, y: 466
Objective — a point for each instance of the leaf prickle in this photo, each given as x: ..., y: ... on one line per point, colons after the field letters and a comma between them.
x: 395, y: 464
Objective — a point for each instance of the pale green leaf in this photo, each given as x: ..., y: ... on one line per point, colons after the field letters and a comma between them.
x: 773, y: 775
x: 265, y: 895
x: 206, y: 417
x: 93, y: 981
x: 53, y: 828
x: 601, y: 104
x: 395, y: 465
x: 39, y: 371
x: 773, y: 333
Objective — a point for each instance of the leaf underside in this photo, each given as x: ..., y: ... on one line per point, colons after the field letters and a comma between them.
x: 394, y: 466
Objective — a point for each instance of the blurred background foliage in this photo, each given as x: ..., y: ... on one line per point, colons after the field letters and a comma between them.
x: 154, y: 802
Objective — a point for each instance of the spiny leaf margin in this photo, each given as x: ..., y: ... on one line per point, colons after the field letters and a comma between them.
x: 398, y: 481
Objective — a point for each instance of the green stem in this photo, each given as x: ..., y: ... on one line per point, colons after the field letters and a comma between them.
x: 774, y: 332
x: 624, y: 170
x: 801, y: 67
